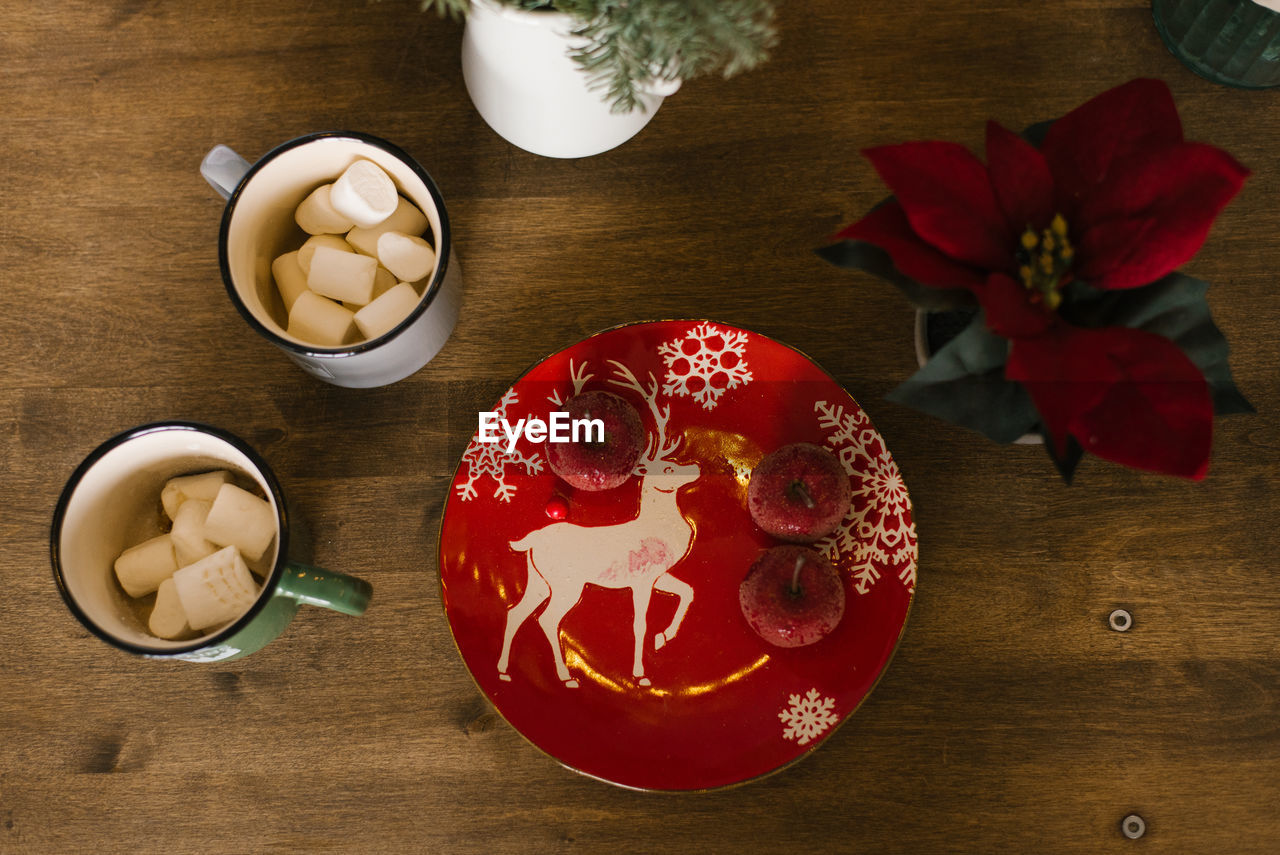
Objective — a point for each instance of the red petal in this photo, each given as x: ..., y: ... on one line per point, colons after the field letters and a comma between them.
x: 1062, y: 383
x: 1126, y: 395
x: 948, y: 198
x: 1154, y: 214
x: 1120, y: 123
x: 1020, y: 178
x: 887, y: 228
x: 1107, y: 247
x: 1009, y: 311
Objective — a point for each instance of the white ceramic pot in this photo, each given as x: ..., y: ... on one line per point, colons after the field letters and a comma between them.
x: 523, y: 81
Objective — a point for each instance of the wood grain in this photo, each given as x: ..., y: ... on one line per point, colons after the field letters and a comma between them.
x: 1011, y: 720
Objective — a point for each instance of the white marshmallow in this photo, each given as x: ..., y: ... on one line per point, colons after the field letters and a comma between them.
x: 168, y: 619
x: 317, y: 216
x: 189, y: 541
x: 203, y: 486
x: 215, y: 589
x: 320, y: 321
x: 364, y: 193
x: 386, y: 311
x: 383, y: 281
x: 339, y: 275
x: 405, y: 218
x: 309, y: 247
x: 239, y: 518
x: 142, y: 568
x: 409, y: 258
x: 290, y: 280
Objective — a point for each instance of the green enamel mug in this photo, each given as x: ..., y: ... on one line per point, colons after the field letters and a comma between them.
x: 111, y: 502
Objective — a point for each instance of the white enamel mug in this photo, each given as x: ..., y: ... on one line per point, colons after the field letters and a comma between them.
x: 258, y: 226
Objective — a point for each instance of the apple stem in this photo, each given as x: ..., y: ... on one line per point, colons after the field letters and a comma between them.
x: 799, y: 489
x: 795, y: 577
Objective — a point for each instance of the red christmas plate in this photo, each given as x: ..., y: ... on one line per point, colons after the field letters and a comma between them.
x: 605, y: 627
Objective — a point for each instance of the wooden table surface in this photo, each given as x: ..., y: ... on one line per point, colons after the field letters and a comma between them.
x: 1012, y: 718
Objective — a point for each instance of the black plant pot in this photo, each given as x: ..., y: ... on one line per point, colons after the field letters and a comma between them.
x: 935, y: 329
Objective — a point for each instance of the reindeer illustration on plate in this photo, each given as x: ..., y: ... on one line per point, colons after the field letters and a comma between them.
x: 639, y: 554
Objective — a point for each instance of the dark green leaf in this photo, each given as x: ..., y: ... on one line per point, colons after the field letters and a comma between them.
x: 1066, y: 464
x: 964, y: 383
x: 860, y: 255
x: 1036, y: 133
x: 1175, y: 308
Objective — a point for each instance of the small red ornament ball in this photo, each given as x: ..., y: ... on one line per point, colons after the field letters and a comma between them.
x: 557, y: 508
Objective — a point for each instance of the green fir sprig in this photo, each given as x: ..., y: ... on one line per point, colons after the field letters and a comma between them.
x: 626, y: 42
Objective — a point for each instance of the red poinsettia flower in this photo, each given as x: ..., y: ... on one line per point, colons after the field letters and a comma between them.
x: 1113, y: 197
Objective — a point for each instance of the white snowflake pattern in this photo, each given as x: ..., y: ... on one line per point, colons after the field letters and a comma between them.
x: 705, y: 364
x: 492, y: 459
x: 806, y: 718
x: 877, y: 531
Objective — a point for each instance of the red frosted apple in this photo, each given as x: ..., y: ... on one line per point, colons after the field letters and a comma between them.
x: 792, y: 596
x: 799, y: 492
x: 605, y: 464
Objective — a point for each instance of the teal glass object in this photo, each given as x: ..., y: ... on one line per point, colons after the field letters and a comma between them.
x: 1233, y: 42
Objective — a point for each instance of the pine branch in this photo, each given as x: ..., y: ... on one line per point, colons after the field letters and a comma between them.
x: 629, y: 42
x: 458, y: 8
x: 455, y: 9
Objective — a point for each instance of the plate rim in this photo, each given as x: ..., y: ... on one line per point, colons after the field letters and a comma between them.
x: 440, y: 588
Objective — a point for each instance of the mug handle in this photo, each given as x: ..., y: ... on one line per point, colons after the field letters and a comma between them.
x: 317, y: 587
x: 223, y: 169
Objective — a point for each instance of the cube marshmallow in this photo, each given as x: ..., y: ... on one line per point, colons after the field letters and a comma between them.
x: 216, y: 589
x: 409, y: 257
x: 387, y: 311
x: 239, y: 518
x: 188, y: 533
x: 168, y: 618
x: 383, y: 281
x: 364, y: 193
x: 202, y: 486
x: 406, y: 218
x: 290, y: 279
x: 317, y: 216
x: 339, y: 275
x: 320, y: 321
x: 311, y: 244
x: 140, y: 569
